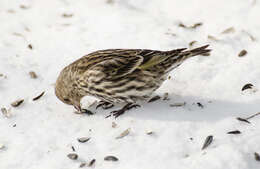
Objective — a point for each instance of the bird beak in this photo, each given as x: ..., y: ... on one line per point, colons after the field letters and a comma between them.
x: 78, y: 108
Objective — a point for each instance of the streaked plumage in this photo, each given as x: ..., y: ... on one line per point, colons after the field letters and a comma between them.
x: 119, y: 75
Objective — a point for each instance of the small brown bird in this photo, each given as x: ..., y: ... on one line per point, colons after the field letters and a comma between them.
x: 119, y: 75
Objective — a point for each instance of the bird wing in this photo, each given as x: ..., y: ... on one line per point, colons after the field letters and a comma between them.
x: 115, y: 62
x: 120, y: 62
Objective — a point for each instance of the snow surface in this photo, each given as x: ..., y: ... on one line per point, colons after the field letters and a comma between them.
x: 39, y: 134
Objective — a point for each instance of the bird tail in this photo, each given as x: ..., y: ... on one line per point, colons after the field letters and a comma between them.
x: 177, y: 59
x: 197, y: 51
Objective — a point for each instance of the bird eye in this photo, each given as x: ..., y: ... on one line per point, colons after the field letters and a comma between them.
x: 67, y: 100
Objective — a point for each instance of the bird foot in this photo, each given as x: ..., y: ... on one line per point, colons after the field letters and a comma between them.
x: 119, y: 112
x: 82, y: 111
x: 104, y: 105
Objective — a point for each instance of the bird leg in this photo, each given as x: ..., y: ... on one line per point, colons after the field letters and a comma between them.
x: 104, y: 105
x: 119, y: 112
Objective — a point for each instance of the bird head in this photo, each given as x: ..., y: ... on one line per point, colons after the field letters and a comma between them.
x: 65, y: 90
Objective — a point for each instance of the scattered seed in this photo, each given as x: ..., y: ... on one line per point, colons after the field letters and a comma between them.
x: 243, y: 120
x: 18, y: 34
x: 92, y: 162
x: 166, y: 96
x: 178, y: 104
x: 150, y: 133
x: 37, y: 97
x: 229, y: 30
x: 200, y: 105
x: 154, y: 99
x: 250, y: 36
x: 73, y: 148
x: 1, y: 75
x: 242, y: 53
x: 83, y: 139
x: 169, y: 77
x: 2, y: 146
x: 257, y: 156
x: 24, y: 7
x: 194, y: 26
x: 30, y: 46
x: 169, y: 33
x: 67, y: 15
x: 14, y: 125
x: 82, y: 165
x: 111, y: 158
x: 114, y: 125
x: 192, y: 43
x: 213, y: 38
x: 234, y: 132
x: 125, y: 133
x: 11, y: 11
x: 17, y: 103
x: 72, y: 156
x: 33, y: 75
x: 27, y: 29
x: 247, y: 86
x: 207, y: 142
x: 110, y: 1
x: 182, y: 25
x: 6, y: 112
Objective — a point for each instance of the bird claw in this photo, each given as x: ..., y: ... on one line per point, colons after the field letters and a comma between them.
x: 117, y: 113
x: 104, y: 105
x: 82, y: 111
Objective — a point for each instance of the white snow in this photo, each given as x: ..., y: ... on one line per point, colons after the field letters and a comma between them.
x: 39, y: 134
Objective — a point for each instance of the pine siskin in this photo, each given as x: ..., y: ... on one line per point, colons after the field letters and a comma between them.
x: 119, y: 75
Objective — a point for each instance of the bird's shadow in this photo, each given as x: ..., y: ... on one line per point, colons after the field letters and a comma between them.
x: 194, y: 109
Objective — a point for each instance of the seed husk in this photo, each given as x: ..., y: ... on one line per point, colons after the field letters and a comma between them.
x: 37, y: 97
x: 247, y: 86
x: 67, y: 15
x: 6, y: 112
x: 33, y: 75
x: 83, y: 139
x: 242, y: 53
x: 200, y: 105
x: 24, y: 7
x: 257, y: 156
x: 82, y: 165
x: 73, y: 148
x: 114, y: 125
x: 192, y: 43
x: 150, y: 133
x: 154, y: 99
x: 213, y: 38
x: 17, y: 103
x: 166, y: 96
x: 243, y: 120
x: 229, y: 30
x: 178, y: 104
x: 125, y: 133
x: 111, y: 158
x: 234, y: 132
x: 2, y: 146
x: 72, y: 156
x: 207, y: 142
x: 194, y: 26
x: 30, y: 46
x: 92, y: 162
